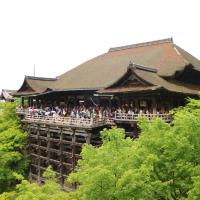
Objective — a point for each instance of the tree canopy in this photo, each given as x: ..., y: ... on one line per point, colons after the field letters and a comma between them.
x: 12, y: 143
x: 32, y: 191
x: 163, y: 163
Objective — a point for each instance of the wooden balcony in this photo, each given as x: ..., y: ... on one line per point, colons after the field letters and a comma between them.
x: 86, y: 122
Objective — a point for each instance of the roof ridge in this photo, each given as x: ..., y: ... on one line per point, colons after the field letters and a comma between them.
x: 170, y: 40
x: 141, y: 67
x: 40, y: 78
x: 8, y: 90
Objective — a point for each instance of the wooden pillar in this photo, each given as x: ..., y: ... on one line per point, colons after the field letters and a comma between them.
x: 29, y: 102
x: 154, y: 105
x: 48, y: 145
x: 29, y: 151
x: 22, y: 101
x: 120, y: 100
x: 73, y: 149
x: 37, y: 102
x: 31, y: 99
x: 170, y: 103
x: 88, y: 138
x: 137, y: 104
x: 38, y: 156
x: 162, y: 107
x: 123, y: 100
x: 61, y: 158
x: 75, y: 100
x: 43, y: 102
x: 110, y: 103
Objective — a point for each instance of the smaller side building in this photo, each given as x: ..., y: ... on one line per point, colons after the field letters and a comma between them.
x: 7, y: 95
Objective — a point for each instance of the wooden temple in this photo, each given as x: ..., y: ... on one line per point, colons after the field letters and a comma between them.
x: 147, y: 79
x: 7, y: 95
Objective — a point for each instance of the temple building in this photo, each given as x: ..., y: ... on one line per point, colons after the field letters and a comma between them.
x: 7, y: 95
x: 146, y: 79
x: 153, y: 68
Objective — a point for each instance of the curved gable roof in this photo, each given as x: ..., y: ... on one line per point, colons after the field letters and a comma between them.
x: 105, y: 69
x: 35, y: 85
x: 154, y: 81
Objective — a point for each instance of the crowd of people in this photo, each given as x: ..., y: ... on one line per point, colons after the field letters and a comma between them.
x: 81, y: 111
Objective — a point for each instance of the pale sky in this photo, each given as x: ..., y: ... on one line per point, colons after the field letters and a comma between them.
x: 57, y: 35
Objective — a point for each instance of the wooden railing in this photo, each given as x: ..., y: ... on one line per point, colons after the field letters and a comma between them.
x: 134, y: 117
x: 21, y: 111
x: 69, y: 121
x: 86, y: 122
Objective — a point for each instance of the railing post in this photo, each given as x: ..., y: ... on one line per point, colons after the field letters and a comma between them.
x: 91, y: 121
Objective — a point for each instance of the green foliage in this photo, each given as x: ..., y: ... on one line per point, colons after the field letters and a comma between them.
x: 12, y: 143
x: 163, y: 163
x: 49, y: 174
x: 194, y: 193
x: 32, y: 191
x: 8, y: 116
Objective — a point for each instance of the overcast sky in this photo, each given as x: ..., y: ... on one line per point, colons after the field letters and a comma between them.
x: 57, y: 35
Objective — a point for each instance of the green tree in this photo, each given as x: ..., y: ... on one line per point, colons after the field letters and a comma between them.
x: 12, y: 143
x: 163, y: 163
x: 32, y: 191
x: 194, y: 193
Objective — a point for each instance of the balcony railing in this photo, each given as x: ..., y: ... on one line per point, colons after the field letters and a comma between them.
x: 134, y: 117
x: 88, y: 122
x: 67, y: 121
x: 21, y: 111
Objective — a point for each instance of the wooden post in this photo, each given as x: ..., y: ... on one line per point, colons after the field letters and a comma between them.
x: 162, y: 107
x: 37, y: 102
x: 29, y: 150
x: 39, y: 154
x: 48, y: 145
x: 29, y: 102
x: 88, y: 138
x: 137, y: 104
x: 110, y: 103
x: 22, y: 101
x: 154, y: 105
x: 61, y: 158
x: 73, y: 149
x: 170, y: 103
x: 31, y: 99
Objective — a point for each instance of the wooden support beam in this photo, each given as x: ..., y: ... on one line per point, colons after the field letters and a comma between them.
x: 39, y: 154
x: 29, y: 150
x: 48, y: 144
x: 88, y: 138
x: 61, y: 158
x: 73, y: 149
x: 154, y: 105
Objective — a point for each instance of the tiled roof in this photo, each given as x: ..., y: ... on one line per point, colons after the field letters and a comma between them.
x: 103, y: 70
x: 162, y: 56
x: 34, y: 85
x: 155, y: 82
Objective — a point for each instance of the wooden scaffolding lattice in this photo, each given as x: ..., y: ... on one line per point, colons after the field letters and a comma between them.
x: 57, y: 145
